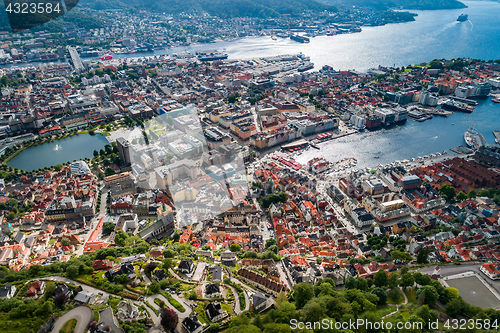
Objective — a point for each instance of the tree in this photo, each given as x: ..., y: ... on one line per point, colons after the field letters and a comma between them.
x: 407, y: 280
x: 426, y: 314
x: 455, y: 307
x: 108, y: 228
x: 154, y: 288
x: 395, y: 294
x: 382, y: 296
x: 270, y: 242
x: 461, y: 196
x: 313, y: 311
x: 122, y: 278
x: 169, y: 319
x: 430, y: 294
x: 120, y: 238
x: 109, y: 171
x: 423, y: 256
x: 60, y: 299
x: 448, y: 191
x: 274, y: 248
x: 72, y: 271
x: 65, y: 242
x: 302, y: 293
x: 399, y: 255
x: 472, y: 194
x: 380, y: 278
x: 167, y: 263
x: 168, y: 253
x: 235, y: 248
x: 422, y: 279
x: 96, y: 153
x: 11, y: 215
x: 350, y: 283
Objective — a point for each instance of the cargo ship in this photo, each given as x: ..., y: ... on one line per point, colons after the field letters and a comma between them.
x: 307, y: 66
x: 452, y: 105
x: 463, y: 17
x: 300, y: 39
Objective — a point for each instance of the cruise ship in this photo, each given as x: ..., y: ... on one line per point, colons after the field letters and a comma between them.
x: 463, y: 17
x: 452, y: 105
x: 307, y: 66
x: 470, y: 136
x: 211, y: 55
x: 300, y: 39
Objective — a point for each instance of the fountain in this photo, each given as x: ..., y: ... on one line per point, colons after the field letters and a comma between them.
x: 57, y: 147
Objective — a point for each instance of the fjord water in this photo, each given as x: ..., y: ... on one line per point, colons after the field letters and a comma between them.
x: 59, y: 151
x: 435, y: 34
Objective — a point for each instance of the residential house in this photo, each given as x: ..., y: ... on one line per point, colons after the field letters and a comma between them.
x: 216, y: 273
x: 35, y: 289
x: 127, y: 269
x: 215, y: 312
x: 186, y: 266
x: 491, y: 270
x: 192, y: 325
x: 62, y: 289
x: 212, y: 290
x: 259, y: 301
x: 7, y: 291
x: 159, y: 274
x: 102, y: 265
x: 127, y: 309
x: 84, y: 297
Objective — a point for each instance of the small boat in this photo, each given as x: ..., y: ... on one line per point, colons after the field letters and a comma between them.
x: 495, y: 100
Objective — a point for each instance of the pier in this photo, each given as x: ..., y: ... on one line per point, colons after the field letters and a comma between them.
x: 497, y: 136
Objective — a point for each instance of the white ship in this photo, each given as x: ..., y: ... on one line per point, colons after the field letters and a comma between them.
x: 470, y: 136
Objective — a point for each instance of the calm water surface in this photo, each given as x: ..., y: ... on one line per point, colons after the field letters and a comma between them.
x: 56, y: 152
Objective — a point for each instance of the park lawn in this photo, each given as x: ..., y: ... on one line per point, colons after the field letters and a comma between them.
x: 411, y: 294
x: 227, y: 307
x: 88, y: 277
x: 383, y: 310
x: 20, y: 325
x: 69, y: 326
x: 392, y: 301
x: 396, y: 317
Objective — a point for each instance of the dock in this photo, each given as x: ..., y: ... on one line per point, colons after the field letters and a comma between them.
x: 497, y: 136
x: 462, y: 150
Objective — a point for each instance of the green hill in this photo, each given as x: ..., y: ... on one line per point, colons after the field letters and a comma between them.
x: 405, y: 4
x: 221, y: 8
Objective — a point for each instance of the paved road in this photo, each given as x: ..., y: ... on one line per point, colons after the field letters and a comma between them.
x: 181, y: 315
x: 108, y: 318
x: 237, y: 308
x: 84, y: 286
x: 82, y: 314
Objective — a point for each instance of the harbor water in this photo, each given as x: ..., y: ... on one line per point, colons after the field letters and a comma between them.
x: 411, y: 139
